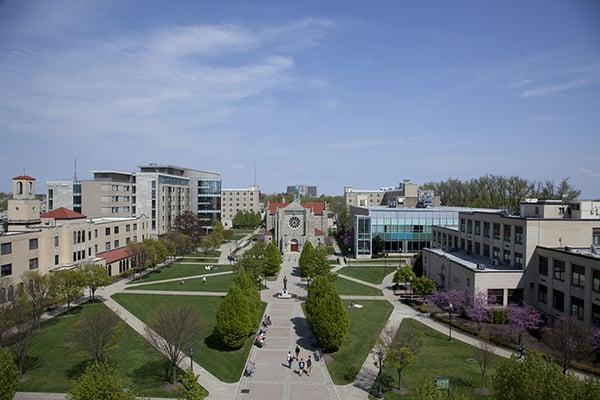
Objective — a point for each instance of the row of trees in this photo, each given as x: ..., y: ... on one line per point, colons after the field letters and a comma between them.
x: 326, y: 313
x: 239, y: 314
x: 313, y: 262
x: 260, y: 260
x: 247, y: 219
x: 492, y: 191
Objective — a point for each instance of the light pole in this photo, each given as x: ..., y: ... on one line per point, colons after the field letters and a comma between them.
x: 450, y: 308
x: 385, y: 267
x: 379, y: 394
x: 192, y: 359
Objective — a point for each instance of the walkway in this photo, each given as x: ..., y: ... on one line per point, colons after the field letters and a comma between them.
x: 272, y: 378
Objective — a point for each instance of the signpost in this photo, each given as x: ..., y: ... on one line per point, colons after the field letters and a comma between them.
x: 443, y: 384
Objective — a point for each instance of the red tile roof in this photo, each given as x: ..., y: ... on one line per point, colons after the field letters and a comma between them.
x: 62, y: 213
x: 23, y: 178
x: 319, y: 232
x: 316, y: 207
x: 117, y: 254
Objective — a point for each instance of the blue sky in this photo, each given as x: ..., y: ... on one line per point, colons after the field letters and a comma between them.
x: 326, y: 93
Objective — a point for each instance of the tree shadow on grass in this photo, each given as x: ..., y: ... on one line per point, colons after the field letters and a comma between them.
x: 76, y: 370
x: 156, y: 371
x: 214, y: 342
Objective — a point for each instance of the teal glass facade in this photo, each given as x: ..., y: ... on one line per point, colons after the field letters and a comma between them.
x: 403, y: 230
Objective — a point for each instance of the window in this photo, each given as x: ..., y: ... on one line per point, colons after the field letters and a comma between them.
x: 595, y: 314
x: 577, y: 307
x: 507, y: 257
x: 107, y: 246
x: 496, y: 253
x: 33, y: 263
x: 116, y: 244
x: 558, y: 300
x: 56, y: 241
x: 507, y: 233
x: 559, y: 270
x: 518, y: 234
x: 5, y: 248
x: 596, y: 236
x: 56, y: 259
x: 542, y: 294
x: 469, y: 226
x: 495, y: 297
x: 477, y: 227
x: 95, y: 248
x: 477, y: 248
x: 543, y: 265
x: 596, y: 281
x: 74, y: 256
x: 135, y: 227
x: 6, y: 270
x: 469, y: 247
x: 107, y: 231
x: 486, y: 250
x: 116, y: 229
x: 95, y: 233
x: 578, y: 275
x: 462, y: 244
x: 462, y: 224
x: 486, y: 229
x: 496, y: 231
x: 127, y: 228
x: 518, y: 260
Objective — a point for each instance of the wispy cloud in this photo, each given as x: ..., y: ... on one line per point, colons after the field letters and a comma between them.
x: 589, y: 172
x: 555, y: 88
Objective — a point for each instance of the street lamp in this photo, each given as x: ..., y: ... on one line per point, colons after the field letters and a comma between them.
x: 192, y: 359
x: 450, y: 308
x: 379, y: 394
x: 385, y: 268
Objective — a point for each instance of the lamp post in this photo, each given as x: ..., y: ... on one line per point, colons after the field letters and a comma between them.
x: 192, y: 359
x: 450, y: 308
x: 385, y: 254
x: 379, y: 394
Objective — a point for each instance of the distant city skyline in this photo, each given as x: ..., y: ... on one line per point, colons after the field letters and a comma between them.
x: 333, y: 94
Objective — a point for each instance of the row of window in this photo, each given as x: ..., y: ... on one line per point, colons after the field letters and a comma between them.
x: 474, y: 227
x: 577, y: 304
x: 470, y: 247
x: 578, y: 274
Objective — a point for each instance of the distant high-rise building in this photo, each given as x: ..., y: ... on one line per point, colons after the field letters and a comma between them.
x: 406, y: 194
x: 305, y: 190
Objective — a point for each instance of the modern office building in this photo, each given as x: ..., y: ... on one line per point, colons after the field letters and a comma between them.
x: 109, y: 194
x: 64, y: 194
x: 236, y: 200
x: 61, y: 239
x: 305, y: 190
x: 545, y: 256
x: 406, y: 194
x: 403, y: 230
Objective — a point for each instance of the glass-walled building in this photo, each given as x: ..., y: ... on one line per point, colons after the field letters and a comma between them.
x: 403, y: 230
x: 209, y: 199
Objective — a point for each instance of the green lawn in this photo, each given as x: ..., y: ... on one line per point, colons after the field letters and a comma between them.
x: 219, y: 283
x: 179, y: 270
x: 53, y: 362
x: 199, y: 259
x: 365, y: 326
x: 394, y: 262
x: 215, y: 253
x: 346, y: 287
x: 440, y: 358
x: 371, y: 274
x: 226, y: 365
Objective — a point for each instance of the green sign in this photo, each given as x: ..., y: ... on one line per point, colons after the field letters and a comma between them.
x: 442, y: 383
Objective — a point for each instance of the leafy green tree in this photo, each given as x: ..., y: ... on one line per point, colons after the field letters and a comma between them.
x: 249, y: 287
x: 153, y: 252
x: 20, y: 327
x: 219, y: 231
x: 211, y: 241
x: 326, y: 313
x: 428, y: 391
x: 313, y: 261
x: 423, y: 286
x: 99, y: 382
x: 272, y: 259
x: 9, y: 376
x: 67, y: 286
x: 247, y: 219
x: 404, y: 274
x: 178, y: 243
x: 95, y: 277
x: 400, y: 348
x: 38, y: 290
x: 253, y: 261
x: 189, y: 388
x: 234, y: 318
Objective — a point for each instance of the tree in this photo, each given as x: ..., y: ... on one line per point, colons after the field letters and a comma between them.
x: 178, y: 243
x: 171, y: 331
x: 188, y: 223
x: 154, y: 252
x: 404, y: 274
x: 67, y: 286
x: 253, y: 261
x: 189, y: 388
x: 247, y: 219
x: 210, y: 242
x: 99, y: 382
x: 313, y: 262
x: 9, y: 376
x: 326, y: 314
x: 522, y: 318
x: 428, y: 391
x: 272, y: 259
x: 400, y: 348
x: 22, y: 327
x: 377, y: 245
x: 218, y: 230
x: 96, y: 334
x: 477, y: 308
x: 423, y: 286
x: 569, y: 341
x: 484, y: 355
x: 444, y: 298
x: 95, y: 277
x: 38, y: 290
x: 249, y: 287
x: 234, y: 319
x: 306, y: 258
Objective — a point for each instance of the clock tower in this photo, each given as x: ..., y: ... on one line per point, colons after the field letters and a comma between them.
x: 23, y: 209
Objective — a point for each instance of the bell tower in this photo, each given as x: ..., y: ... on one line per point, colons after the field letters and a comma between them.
x: 23, y: 208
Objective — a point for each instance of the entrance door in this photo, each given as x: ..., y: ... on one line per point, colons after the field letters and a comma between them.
x: 294, y: 245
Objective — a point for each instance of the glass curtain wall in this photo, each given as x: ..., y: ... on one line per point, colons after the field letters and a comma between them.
x: 209, y: 200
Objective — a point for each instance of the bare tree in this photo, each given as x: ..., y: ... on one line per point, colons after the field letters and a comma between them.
x: 172, y: 331
x: 484, y: 355
x: 21, y: 328
x: 38, y: 290
x: 569, y: 341
x: 97, y: 333
x: 400, y: 348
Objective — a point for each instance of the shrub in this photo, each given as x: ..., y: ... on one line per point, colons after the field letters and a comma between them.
x: 498, y: 316
x: 9, y: 376
x: 99, y: 382
x: 326, y: 314
x: 235, y: 319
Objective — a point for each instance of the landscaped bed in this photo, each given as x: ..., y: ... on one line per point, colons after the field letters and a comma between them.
x: 365, y: 326
x: 53, y: 362
x: 372, y: 274
x: 225, y: 365
x: 179, y: 270
x: 219, y: 283
x: 347, y: 287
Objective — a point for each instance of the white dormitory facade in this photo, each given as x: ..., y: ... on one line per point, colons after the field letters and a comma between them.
x: 234, y: 201
x: 406, y: 195
x: 548, y: 256
x: 61, y: 239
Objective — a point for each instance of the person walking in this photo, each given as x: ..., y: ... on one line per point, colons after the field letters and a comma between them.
x: 301, y: 367
x: 308, y: 365
x: 297, y: 352
x: 204, y: 280
x: 290, y: 359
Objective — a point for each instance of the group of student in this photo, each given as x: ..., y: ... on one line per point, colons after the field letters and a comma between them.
x: 259, y: 340
x: 303, y: 367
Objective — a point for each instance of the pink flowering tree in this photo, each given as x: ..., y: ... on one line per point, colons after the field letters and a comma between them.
x: 477, y: 308
x: 595, y: 339
x: 522, y: 318
x: 444, y: 298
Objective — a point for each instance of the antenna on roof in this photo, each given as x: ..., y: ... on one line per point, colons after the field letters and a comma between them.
x: 75, y: 174
x: 254, y: 172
